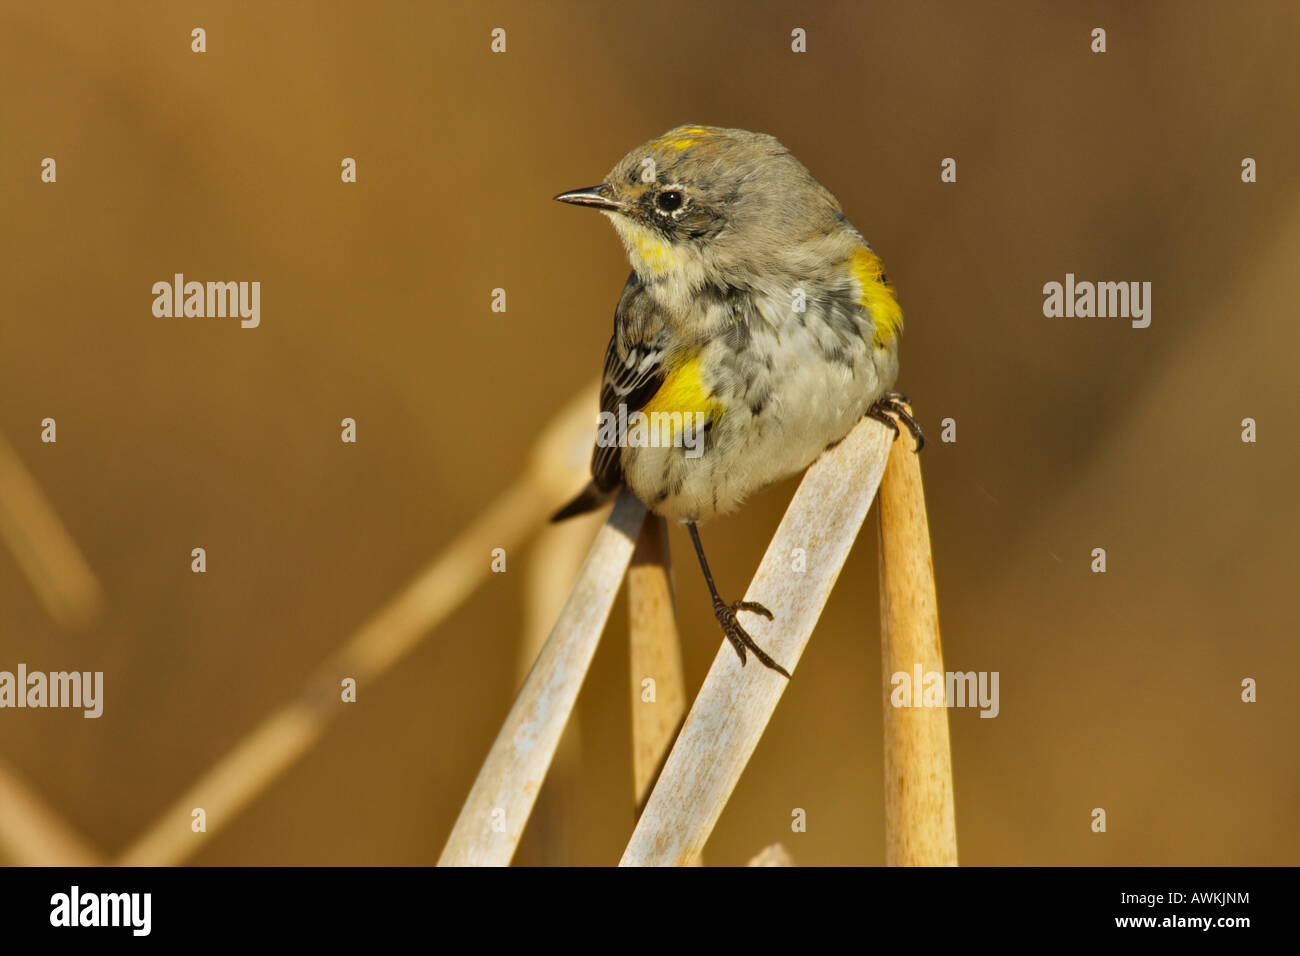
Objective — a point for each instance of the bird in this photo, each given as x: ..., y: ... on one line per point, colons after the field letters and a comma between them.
x: 756, y: 329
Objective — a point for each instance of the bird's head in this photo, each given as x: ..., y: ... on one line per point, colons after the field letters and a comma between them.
x: 705, y: 204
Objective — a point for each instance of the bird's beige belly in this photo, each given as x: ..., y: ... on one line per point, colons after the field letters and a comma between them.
x: 813, y: 405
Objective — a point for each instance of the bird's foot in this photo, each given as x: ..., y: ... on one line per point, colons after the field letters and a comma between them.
x: 738, y: 636
x: 892, y: 407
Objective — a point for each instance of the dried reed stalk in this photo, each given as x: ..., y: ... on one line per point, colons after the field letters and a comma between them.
x: 44, y: 549
x: 774, y: 855
x: 557, y: 466
x: 735, y: 703
x: 920, y: 825
x: 490, y: 824
x: 554, y: 562
x: 655, y: 654
x: 31, y: 834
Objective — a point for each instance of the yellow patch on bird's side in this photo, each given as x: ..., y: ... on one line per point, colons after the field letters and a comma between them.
x: 684, y: 392
x: 877, y: 297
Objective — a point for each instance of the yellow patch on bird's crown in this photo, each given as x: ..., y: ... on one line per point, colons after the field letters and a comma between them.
x: 684, y: 392
x: 877, y: 297
x: 682, y: 137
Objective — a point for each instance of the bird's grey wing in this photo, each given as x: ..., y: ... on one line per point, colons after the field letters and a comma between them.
x: 634, y: 371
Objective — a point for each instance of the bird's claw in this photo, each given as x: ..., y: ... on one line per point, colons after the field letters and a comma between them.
x: 893, y: 404
x: 752, y: 606
x: 738, y: 636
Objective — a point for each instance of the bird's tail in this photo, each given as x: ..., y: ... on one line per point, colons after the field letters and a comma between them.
x: 589, y: 499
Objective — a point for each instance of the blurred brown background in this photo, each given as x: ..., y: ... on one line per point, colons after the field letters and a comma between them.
x: 1118, y: 690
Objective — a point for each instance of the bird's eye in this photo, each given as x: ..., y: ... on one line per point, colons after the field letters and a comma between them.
x: 669, y: 201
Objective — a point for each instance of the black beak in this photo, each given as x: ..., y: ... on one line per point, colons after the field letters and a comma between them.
x: 597, y: 197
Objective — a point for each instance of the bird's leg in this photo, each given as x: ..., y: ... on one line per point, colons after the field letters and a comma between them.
x: 726, y: 613
x: 896, y: 404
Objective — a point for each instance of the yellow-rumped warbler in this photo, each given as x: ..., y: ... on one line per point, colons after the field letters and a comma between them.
x: 756, y: 329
